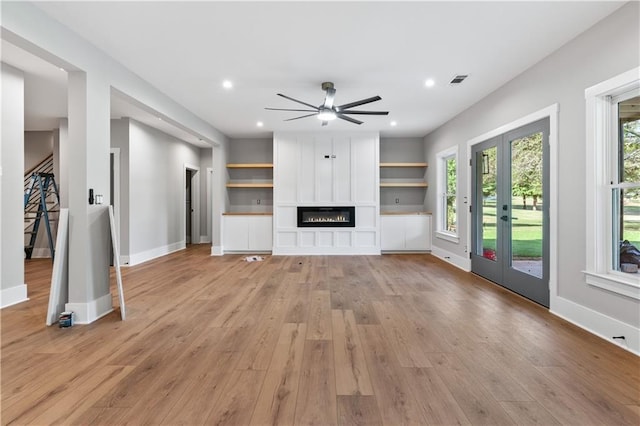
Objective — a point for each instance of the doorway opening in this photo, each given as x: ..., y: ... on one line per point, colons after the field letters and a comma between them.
x: 191, y: 204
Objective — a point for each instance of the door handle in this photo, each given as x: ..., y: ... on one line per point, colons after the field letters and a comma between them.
x: 505, y: 217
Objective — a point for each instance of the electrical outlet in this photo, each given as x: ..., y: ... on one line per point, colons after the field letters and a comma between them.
x: 258, y: 201
x: 397, y: 200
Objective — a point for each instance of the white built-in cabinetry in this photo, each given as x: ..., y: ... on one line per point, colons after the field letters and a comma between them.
x: 326, y: 169
x: 405, y: 232
x: 247, y: 225
x: 247, y: 232
x: 404, y: 223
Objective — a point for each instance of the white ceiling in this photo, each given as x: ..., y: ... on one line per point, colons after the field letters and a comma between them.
x: 186, y: 49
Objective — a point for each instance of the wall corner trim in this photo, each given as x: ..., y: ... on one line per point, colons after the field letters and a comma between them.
x: 453, y: 259
x: 86, y: 313
x: 216, y: 251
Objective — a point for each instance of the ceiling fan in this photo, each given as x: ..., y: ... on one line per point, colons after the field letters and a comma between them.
x: 328, y: 111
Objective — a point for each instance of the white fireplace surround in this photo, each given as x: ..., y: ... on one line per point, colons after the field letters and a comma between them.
x: 326, y: 169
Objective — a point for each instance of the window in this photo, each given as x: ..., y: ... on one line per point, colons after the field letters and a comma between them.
x: 613, y: 183
x: 447, y: 219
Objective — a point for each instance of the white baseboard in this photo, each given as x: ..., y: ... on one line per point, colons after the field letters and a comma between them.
x: 457, y: 261
x: 325, y: 251
x: 41, y: 253
x: 86, y: 313
x: 216, y: 251
x: 597, y: 323
x: 13, y: 295
x: 145, y: 256
x: 204, y: 239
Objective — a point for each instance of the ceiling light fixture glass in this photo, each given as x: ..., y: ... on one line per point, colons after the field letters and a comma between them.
x: 326, y: 114
x: 394, y: 123
x: 227, y: 84
x: 259, y: 124
x: 430, y: 83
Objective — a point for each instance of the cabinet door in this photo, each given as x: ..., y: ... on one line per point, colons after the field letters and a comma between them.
x: 416, y: 232
x: 392, y: 233
x: 260, y: 233
x: 235, y: 233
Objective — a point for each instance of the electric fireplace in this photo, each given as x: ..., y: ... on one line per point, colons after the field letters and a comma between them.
x: 326, y: 217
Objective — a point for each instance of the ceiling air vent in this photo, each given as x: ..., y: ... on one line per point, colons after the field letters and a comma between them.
x: 458, y: 79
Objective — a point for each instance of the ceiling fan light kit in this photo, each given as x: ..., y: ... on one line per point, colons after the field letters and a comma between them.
x: 328, y: 111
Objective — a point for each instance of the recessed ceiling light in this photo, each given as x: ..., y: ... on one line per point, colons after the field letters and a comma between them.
x: 430, y: 83
x: 259, y: 124
x: 394, y: 123
x: 227, y: 84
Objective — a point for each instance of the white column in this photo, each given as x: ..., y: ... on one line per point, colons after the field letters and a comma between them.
x: 89, y: 238
x: 12, y: 286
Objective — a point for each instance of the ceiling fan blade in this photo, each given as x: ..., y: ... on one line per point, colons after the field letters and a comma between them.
x: 366, y: 112
x: 328, y: 99
x: 358, y: 103
x: 352, y: 120
x: 300, y: 102
x: 287, y: 109
x: 302, y: 116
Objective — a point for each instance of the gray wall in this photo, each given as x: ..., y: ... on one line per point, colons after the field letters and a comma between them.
x: 151, y: 185
x: 37, y: 147
x: 11, y: 187
x: 206, y: 157
x: 120, y: 139
x: 607, y: 49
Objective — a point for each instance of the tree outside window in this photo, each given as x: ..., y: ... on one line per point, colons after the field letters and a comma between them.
x: 450, y: 194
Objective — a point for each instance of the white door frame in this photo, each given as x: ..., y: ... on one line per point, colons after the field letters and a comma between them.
x: 552, y: 112
x: 195, y: 201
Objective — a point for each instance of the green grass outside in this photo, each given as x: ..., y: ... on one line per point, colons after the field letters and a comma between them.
x: 527, y: 229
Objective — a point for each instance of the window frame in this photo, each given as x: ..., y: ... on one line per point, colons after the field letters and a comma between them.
x: 441, y: 215
x: 601, y: 149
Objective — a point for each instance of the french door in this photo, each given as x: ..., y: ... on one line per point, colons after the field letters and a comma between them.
x: 510, y: 221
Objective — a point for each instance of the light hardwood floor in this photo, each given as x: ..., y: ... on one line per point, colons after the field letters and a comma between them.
x: 394, y: 339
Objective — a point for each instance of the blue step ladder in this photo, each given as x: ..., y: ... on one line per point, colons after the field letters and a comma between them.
x: 38, y: 207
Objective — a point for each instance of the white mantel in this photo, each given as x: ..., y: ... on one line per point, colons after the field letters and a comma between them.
x: 326, y: 169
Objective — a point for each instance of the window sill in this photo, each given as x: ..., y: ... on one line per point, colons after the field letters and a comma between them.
x: 626, y: 285
x: 448, y: 237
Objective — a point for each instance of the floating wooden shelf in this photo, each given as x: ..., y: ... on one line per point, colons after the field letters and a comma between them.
x: 249, y: 165
x: 403, y: 164
x: 403, y: 185
x: 250, y: 185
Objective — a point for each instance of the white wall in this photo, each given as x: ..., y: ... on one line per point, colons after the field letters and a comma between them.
x: 607, y: 49
x: 12, y: 285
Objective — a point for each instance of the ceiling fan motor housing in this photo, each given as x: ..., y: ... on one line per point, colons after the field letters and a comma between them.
x: 327, y: 85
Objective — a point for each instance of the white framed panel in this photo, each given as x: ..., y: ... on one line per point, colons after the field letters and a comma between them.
x: 366, y: 238
x: 325, y: 238
x: 287, y: 239
x: 307, y: 238
x: 366, y: 217
x: 287, y: 217
x: 343, y: 239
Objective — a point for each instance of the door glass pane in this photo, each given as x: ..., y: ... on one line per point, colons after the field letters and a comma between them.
x: 488, y: 161
x: 526, y: 204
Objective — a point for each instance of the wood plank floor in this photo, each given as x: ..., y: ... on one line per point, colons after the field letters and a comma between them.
x: 322, y: 340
